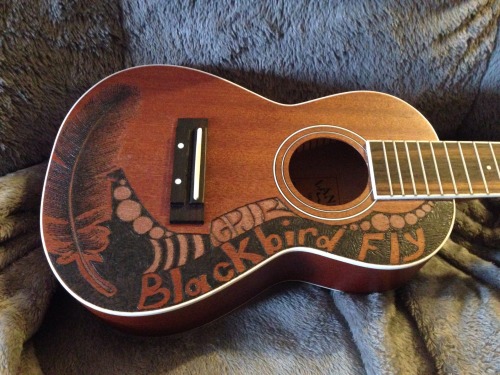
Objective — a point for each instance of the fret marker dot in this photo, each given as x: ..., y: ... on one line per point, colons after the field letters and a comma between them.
x: 178, y: 181
x: 488, y: 167
x: 180, y: 145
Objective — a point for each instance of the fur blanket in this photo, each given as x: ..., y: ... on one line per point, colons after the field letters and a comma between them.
x: 440, y: 57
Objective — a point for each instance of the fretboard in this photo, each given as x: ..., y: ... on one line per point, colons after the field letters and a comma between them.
x: 423, y: 170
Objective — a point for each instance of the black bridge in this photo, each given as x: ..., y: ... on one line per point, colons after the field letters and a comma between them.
x: 188, y: 176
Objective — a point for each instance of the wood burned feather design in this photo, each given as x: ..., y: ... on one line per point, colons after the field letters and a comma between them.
x: 76, y: 206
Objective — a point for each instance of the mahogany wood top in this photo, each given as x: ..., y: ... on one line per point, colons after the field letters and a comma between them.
x: 244, y: 133
x: 169, y: 188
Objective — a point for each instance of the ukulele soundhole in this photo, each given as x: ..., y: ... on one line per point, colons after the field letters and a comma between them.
x: 322, y: 171
x: 328, y: 171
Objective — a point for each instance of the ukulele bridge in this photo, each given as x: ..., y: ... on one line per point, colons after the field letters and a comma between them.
x: 188, y: 177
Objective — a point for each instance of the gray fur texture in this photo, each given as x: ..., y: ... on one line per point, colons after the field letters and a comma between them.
x: 51, y: 52
x: 442, y: 57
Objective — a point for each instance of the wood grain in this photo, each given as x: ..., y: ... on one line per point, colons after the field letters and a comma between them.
x: 287, y: 196
x: 244, y: 133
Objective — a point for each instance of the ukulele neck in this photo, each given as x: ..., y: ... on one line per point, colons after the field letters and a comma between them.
x: 434, y: 170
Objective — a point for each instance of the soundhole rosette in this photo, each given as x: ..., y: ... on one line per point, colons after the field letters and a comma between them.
x: 322, y: 171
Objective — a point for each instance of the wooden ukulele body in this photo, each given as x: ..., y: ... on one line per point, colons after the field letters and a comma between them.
x: 286, y: 196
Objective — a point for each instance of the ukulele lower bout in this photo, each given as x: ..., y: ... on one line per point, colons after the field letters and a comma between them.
x: 297, y: 205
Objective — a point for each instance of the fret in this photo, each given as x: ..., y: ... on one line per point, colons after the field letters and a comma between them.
x: 424, y: 169
x: 489, y: 164
x: 465, y: 166
x: 410, y: 167
x: 418, y: 172
x: 396, y: 156
x: 495, y: 159
x: 437, y: 169
x: 443, y: 169
x: 481, y: 169
x: 457, y: 165
x: 405, y: 168
x: 387, y: 169
x: 433, y: 182
x: 393, y: 169
x: 379, y: 169
x: 390, y: 169
x: 477, y: 183
x: 455, y: 191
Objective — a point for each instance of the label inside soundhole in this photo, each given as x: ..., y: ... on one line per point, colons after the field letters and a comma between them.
x: 328, y: 171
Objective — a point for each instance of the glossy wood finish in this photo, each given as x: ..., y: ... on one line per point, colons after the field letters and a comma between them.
x: 287, y: 196
x: 244, y: 133
x: 294, y: 266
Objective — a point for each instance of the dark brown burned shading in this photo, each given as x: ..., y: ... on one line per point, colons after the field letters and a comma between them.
x: 153, y: 267
x: 75, y: 207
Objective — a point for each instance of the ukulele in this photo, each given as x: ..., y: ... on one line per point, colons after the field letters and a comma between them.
x: 173, y: 196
